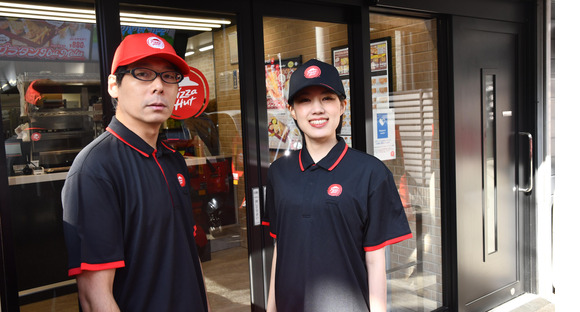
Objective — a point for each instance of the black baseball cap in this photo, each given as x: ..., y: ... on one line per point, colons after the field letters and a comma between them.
x: 315, y: 73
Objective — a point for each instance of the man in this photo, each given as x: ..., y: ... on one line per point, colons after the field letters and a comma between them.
x: 128, y: 221
x: 330, y: 239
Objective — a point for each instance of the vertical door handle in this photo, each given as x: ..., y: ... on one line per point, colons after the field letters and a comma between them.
x: 531, y: 157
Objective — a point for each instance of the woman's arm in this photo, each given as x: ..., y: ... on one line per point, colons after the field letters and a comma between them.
x: 272, y: 293
x: 96, y: 291
x: 377, y: 275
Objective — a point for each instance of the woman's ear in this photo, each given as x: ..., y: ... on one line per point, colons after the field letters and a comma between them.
x: 292, y: 111
x: 112, y: 86
x: 342, y: 106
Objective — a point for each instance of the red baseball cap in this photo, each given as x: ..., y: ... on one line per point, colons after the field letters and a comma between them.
x: 139, y: 46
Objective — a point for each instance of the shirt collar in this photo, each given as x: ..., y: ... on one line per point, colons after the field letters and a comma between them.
x: 130, y: 138
x: 329, y: 162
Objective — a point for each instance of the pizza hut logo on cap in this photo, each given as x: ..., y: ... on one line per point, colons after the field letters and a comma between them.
x: 312, y: 72
x: 181, y: 179
x: 155, y: 43
x: 335, y: 190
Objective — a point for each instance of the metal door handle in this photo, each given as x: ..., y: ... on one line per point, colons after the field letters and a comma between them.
x: 531, y: 156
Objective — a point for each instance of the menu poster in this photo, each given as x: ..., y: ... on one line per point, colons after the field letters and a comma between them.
x: 340, y: 60
x: 278, y: 74
x: 282, y: 131
x: 379, y: 60
x: 22, y: 38
x: 346, y: 129
x: 167, y: 34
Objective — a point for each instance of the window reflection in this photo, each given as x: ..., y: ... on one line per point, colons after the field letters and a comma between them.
x: 405, y: 94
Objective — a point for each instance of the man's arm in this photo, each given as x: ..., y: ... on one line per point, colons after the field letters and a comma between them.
x: 96, y: 291
x: 272, y: 293
x: 377, y: 275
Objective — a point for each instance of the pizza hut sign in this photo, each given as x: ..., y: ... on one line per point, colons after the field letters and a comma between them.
x: 192, y: 97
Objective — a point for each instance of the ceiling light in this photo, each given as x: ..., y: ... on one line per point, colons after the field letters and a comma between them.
x: 188, y: 53
x: 44, y: 12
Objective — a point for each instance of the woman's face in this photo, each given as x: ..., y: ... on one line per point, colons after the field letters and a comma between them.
x: 317, y: 111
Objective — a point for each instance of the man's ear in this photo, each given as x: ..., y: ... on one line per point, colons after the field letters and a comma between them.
x: 113, y: 87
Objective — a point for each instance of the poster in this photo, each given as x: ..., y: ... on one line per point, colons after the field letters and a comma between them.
x: 379, y: 56
x: 384, y: 133
x: 22, y: 38
x: 165, y: 33
x: 346, y: 129
x: 282, y: 130
x: 277, y: 77
x: 380, y: 90
x: 340, y: 59
x: 283, y: 133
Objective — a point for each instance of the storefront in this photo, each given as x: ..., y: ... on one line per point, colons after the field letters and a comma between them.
x: 417, y: 103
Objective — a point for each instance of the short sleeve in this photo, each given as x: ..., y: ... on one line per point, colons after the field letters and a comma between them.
x: 387, y: 222
x: 92, y: 223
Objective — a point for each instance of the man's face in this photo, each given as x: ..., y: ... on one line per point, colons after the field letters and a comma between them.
x: 144, y: 104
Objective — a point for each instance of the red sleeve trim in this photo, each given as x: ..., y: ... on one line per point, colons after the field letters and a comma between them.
x: 273, y: 235
x: 96, y: 267
x: 389, y: 242
x: 266, y: 223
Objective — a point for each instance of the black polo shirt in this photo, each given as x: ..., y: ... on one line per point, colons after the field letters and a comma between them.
x: 127, y: 207
x: 325, y: 216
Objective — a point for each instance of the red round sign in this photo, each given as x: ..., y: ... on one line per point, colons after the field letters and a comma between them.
x: 192, y: 97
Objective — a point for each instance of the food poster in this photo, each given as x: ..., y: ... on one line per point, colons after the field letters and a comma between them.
x: 165, y: 33
x: 384, y: 133
x: 380, y: 90
x: 283, y: 134
x: 22, y: 38
x: 379, y: 56
x: 346, y: 118
x: 282, y: 130
x: 340, y: 57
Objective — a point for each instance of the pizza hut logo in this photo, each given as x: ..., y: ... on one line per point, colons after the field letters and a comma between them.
x: 155, y: 43
x: 335, y: 190
x: 312, y: 72
x: 181, y: 179
x: 36, y: 136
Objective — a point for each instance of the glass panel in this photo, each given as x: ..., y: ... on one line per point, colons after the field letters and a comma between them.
x: 211, y: 142
x: 406, y: 133
x: 303, y: 40
x: 51, y: 108
x: 489, y: 167
x: 215, y: 155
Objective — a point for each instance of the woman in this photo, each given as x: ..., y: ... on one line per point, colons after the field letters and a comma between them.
x: 331, y: 209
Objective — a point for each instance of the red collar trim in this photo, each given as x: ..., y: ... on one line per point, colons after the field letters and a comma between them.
x: 331, y: 167
x: 339, y: 158
x: 123, y: 140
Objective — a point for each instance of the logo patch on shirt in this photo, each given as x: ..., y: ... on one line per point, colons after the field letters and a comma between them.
x: 181, y: 179
x: 335, y: 190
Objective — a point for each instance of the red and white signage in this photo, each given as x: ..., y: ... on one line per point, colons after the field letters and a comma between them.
x: 192, y: 97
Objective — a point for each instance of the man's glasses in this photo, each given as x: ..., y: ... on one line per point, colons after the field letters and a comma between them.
x: 146, y: 74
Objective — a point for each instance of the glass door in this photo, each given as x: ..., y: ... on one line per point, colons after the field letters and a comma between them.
x: 51, y: 109
x: 404, y: 90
